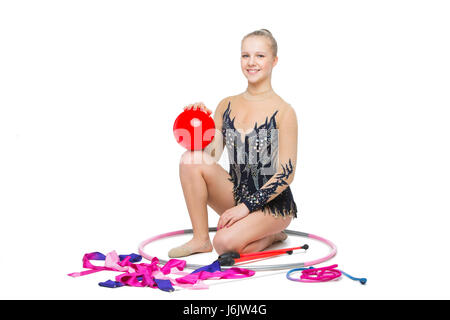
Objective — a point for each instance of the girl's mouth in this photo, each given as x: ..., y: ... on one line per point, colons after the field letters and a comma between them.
x: 252, y: 71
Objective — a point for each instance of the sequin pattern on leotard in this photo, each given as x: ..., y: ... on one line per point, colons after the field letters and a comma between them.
x: 253, y: 162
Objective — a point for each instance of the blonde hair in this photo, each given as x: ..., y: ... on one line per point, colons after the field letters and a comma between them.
x: 268, y: 35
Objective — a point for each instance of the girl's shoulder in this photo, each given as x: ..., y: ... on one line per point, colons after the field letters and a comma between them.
x: 225, y: 102
x: 224, y: 105
x: 285, y: 109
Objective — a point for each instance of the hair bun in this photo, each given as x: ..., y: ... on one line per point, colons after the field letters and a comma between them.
x: 266, y: 31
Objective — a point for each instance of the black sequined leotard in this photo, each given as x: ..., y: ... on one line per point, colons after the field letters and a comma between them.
x: 253, y: 162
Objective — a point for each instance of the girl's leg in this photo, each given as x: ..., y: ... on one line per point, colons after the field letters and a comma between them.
x: 204, y: 182
x: 253, y: 233
x: 265, y: 242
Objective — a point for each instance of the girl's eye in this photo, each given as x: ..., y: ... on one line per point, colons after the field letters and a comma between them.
x: 246, y: 55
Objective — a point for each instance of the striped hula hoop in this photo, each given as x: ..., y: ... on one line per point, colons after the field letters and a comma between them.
x: 330, y: 255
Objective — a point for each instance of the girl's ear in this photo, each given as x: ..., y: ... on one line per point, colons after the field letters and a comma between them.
x: 275, y: 61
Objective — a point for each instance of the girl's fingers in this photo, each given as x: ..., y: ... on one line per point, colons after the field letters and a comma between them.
x: 230, y: 223
x: 198, y: 105
x: 222, y: 221
x: 206, y: 110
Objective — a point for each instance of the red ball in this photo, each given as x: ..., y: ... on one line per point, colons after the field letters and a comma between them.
x: 194, y: 129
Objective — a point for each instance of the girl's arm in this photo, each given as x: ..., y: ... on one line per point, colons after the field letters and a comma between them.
x: 215, y: 148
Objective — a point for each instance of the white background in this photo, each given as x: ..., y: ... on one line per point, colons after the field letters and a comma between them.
x: 89, y: 91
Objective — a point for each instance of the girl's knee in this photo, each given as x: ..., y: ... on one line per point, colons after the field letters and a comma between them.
x: 188, y: 163
x: 226, y: 241
x: 192, y: 159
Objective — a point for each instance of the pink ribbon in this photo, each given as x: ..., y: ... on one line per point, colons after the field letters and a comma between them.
x: 232, y: 273
x: 143, y: 274
x: 93, y: 268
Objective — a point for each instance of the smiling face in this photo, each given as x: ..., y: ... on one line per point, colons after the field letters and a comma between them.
x: 257, y: 60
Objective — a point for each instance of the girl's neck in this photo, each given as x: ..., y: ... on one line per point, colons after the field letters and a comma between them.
x: 255, y: 94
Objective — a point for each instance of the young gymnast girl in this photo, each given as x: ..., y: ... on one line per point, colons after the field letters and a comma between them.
x: 259, y: 130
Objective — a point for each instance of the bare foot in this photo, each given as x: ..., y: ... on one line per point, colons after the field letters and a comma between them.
x: 191, y: 247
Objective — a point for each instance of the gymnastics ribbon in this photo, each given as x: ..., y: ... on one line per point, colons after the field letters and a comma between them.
x: 323, y: 274
x: 154, y: 276
x: 109, y: 265
x: 213, y: 271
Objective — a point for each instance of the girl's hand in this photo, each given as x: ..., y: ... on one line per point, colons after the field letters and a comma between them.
x: 232, y: 215
x: 198, y: 105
